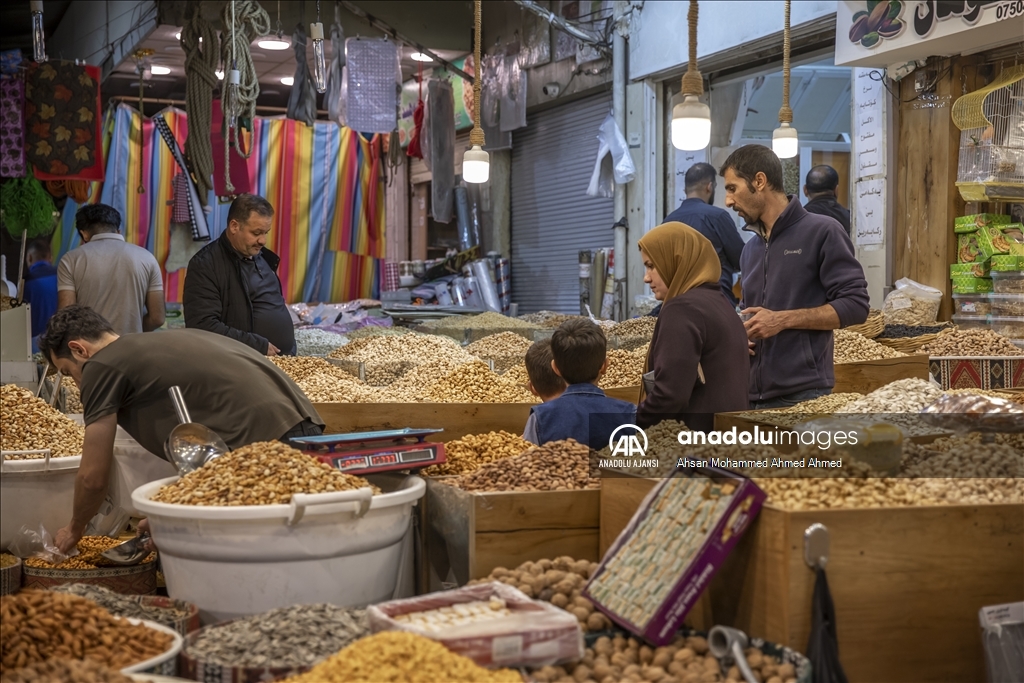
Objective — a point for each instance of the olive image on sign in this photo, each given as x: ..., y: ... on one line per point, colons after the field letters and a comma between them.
x: 879, y: 21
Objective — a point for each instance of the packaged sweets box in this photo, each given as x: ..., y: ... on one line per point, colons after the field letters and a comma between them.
x: 966, y: 284
x: 981, y: 269
x: 984, y: 243
x: 1001, y: 263
x: 979, y: 220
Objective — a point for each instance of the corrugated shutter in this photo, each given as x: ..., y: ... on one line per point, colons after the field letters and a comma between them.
x: 553, y: 218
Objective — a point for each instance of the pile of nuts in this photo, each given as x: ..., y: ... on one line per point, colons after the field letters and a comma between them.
x: 560, y: 582
x: 30, y: 424
x: 401, y: 657
x: 72, y: 399
x: 484, y: 321
x: 340, y: 388
x: 635, y: 327
x: 555, y: 466
x: 506, y: 349
x: 624, y: 368
x: 378, y: 331
x: 685, y: 660
x: 66, y: 671
x: 387, y: 358
x: 7, y: 560
x: 476, y: 383
x: 312, y: 341
x: 851, y: 347
x: 263, y: 473
x: 547, y: 319
x: 301, y: 635
x: 966, y: 457
x: 88, y: 557
x: 909, y: 331
x: 473, y: 451
x: 823, y: 405
x: 972, y: 343
x: 168, y: 613
x: 901, y: 396
x: 302, y: 368
x: 39, y: 625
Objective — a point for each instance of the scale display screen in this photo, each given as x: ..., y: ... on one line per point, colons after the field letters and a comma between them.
x: 418, y: 455
x: 352, y: 463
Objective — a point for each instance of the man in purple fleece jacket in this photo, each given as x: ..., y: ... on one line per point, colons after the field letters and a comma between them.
x: 800, y: 282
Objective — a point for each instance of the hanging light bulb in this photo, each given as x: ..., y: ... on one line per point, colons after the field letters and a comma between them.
x: 476, y: 163
x: 316, y: 32
x: 785, y: 142
x: 233, y: 107
x: 691, y: 118
x: 38, y: 36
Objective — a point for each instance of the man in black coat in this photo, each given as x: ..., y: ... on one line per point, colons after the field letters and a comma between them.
x: 232, y: 288
x: 820, y: 190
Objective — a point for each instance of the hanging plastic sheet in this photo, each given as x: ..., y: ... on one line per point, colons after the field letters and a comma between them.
x: 302, y: 100
x: 490, y: 103
x: 441, y: 106
x: 513, y: 94
x: 463, y: 219
x: 613, y: 164
x: 504, y: 283
x: 372, y: 101
x: 485, y: 285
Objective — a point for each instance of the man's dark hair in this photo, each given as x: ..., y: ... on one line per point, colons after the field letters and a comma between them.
x: 822, y: 178
x: 699, y: 175
x: 38, y: 248
x: 579, y: 347
x: 749, y: 160
x: 93, y: 218
x: 247, y: 204
x: 538, y: 367
x: 70, y: 324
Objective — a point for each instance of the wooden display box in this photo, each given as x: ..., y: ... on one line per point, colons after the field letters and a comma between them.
x: 469, y: 534
x: 866, y: 376
x: 978, y: 372
x: 907, y: 582
x: 456, y: 419
x: 628, y: 394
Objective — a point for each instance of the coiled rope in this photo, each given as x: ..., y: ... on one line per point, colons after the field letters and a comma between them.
x: 244, y: 21
x: 201, y: 57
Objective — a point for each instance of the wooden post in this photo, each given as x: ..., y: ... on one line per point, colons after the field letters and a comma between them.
x: 927, y: 200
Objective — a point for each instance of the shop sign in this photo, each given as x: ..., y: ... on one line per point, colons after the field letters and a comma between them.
x: 882, y: 33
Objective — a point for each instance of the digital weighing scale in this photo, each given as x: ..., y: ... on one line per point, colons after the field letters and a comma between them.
x: 372, y: 452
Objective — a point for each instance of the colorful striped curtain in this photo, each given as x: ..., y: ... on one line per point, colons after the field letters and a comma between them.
x: 323, y: 181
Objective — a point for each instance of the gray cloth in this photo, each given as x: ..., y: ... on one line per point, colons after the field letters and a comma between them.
x: 441, y: 120
x: 111, y: 277
x: 302, y: 100
x: 335, y: 78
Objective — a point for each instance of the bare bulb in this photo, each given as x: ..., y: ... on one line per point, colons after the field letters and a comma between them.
x: 316, y: 31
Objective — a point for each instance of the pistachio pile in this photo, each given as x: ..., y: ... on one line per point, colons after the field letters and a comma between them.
x: 30, y: 424
x: 476, y: 383
x: 851, y: 347
x: 484, y: 321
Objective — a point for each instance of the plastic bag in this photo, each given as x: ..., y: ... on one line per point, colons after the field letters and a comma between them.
x: 513, y: 95
x: 911, y: 303
x: 372, y: 98
x: 614, y: 163
x: 1003, y: 638
x: 441, y: 108
x: 823, y: 645
x: 40, y: 544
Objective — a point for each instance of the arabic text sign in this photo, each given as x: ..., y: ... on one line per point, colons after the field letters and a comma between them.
x: 869, y: 216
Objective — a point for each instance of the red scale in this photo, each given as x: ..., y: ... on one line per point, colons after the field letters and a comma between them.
x: 372, y: 452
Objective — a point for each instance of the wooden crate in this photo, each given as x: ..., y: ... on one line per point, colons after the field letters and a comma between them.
x: 456, y: 419
x: 866, y: 376
x: 907, y: 582
x: 469, y: 534
x: 628, y: 394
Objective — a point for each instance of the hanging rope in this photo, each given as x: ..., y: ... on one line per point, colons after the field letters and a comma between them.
x: 693, y: 82
x: 785, y: 113
x: 244, y: 21
x: 200, y: 79
x: 476, y: 136
x: 141, y: 189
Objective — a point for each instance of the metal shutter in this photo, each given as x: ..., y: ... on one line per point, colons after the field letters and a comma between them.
x: 553, y: 218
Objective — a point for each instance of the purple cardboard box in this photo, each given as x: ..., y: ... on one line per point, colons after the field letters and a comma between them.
x: 663, y: 625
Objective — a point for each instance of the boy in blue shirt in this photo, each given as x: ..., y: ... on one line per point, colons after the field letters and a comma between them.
x: 582, y: 412
x: 544, y: 383
x: 40, y: 287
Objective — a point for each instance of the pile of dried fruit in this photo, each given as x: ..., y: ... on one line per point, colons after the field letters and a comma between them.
x: 560, y: 582
x: 263, y: 473
x: 30, y: 424
x: 555, y: 466
x: 88, y: 557
x: 475, y: 450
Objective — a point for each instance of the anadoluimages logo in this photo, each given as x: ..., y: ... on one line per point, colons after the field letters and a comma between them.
x: 628, y: 445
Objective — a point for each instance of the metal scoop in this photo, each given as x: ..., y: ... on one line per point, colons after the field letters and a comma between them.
x: 190, y: 445
x: 130, y: 552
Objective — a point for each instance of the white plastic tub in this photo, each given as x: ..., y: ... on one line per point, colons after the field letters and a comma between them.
x: 344, y: 548
x: 35, y: 492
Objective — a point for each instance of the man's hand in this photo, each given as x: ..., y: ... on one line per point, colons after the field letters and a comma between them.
x: 67, y: 539
x: 144, y: 528
x: 764, y: 323
x: 273, y: 350
x: 750, y: 347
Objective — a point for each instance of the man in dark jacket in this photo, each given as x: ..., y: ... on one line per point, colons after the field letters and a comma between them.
x: 232, y: 288
x: 698, y: 211
x: 800, y: 282
x: 820, y: 190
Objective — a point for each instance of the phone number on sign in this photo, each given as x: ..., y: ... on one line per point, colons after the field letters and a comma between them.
x: 1009, y: 10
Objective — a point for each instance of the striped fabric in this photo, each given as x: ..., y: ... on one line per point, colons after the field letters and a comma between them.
x: 324, y: 182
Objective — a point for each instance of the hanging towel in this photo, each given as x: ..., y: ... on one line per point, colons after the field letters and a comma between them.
x: 302, y: 100
x: 62, y: 121
x: 12, y: 128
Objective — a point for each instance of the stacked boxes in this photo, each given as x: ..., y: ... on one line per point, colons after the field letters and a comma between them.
x: 979, y: 238
x: 988, y: 279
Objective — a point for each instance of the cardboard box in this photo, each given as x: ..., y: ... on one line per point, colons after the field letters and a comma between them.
x: 1014, y: 235
x: 1006, y: 263
x: 978, y: 220
x: 965, y: 284
x: 980, y: 269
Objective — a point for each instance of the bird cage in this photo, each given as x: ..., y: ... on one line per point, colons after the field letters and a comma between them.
x: 991, y: 121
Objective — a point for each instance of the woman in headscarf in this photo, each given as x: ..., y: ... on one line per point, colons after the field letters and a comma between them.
x: 698, y: 363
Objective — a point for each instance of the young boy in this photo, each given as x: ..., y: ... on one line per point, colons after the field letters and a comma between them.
x: 544, y: 383
x: 582, y: 412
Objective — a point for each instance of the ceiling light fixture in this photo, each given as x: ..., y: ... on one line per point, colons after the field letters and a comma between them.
x: 691, y: 118
x: 785, y: 142
x: 273, y: 44
x: 316, y: 32
x: 177, y: 36
x: 476, y: 164
x: 220, y: 74
x: 288, y: 80
x: 420, y: 57
x: 160, y: 70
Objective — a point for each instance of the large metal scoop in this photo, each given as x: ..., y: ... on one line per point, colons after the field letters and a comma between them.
x: 130, y: 552
x: 190, y: 445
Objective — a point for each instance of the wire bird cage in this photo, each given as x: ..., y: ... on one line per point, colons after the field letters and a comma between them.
x: 991, y: 121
